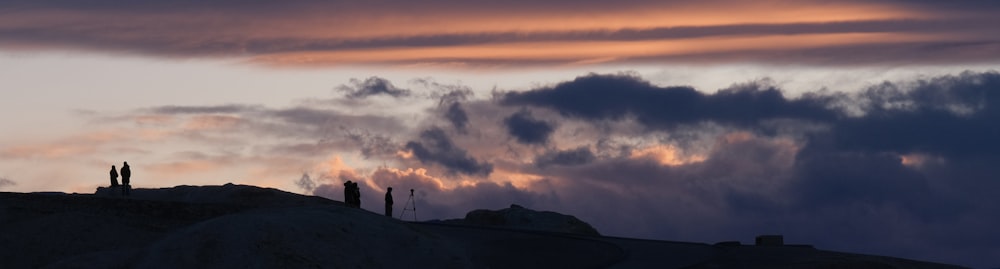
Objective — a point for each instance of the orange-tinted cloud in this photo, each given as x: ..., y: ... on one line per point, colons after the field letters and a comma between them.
x: 76, y: 145
x: 666, y: 155
x: 590, y: 52
x: 386, y: 177
x: 449, y: 33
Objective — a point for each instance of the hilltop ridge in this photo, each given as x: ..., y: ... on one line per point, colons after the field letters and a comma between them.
x: 251, y: 227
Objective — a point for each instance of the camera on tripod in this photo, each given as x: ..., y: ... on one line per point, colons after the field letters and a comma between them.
x: 411, y: 205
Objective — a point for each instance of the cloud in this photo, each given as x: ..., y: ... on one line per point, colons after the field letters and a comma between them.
x: 431, y: 195
x: 306, y: 183
x: 447, y: 94
x: 371, y: 87
x: 450, y: 96
x: 902, y: 168
x: 614, y: 97
x: 4, y: 182
x: 75, y: 145
x: 824, y: 161
x: 954, y: 116
x: 302, y: 130
x: 455, y: 33
x: 528, y: 130
x: 407, y: 179
x: 436, y: 147
x: 311, y: 116
x: 457, y: 116
x: 213, y: 122
x: 577, y: 156
x: 842, y: 178
x: 220, y: 109
x: 373, y: 145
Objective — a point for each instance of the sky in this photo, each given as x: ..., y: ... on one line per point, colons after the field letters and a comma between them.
x: 860, y: 126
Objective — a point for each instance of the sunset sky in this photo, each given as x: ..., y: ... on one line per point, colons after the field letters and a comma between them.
x: 861, y: 126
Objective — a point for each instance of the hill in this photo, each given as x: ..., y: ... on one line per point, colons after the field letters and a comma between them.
x: 238, y: 226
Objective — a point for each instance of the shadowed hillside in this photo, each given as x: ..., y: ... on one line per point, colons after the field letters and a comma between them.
x: 236, y: 226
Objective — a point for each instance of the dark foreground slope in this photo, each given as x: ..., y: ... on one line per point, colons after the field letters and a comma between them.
x: 235, y: 226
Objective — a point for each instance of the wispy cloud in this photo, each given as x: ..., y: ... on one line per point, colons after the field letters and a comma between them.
x: 77, y: 145
x: 449, y: 33
x: 372, y: 86
x: 4, y: 182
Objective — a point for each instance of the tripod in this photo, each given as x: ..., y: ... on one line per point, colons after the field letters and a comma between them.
x: 411, y: 205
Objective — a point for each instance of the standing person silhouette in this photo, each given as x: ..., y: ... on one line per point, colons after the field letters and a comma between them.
x: 126, y: 174
x: 388, y: 202
x: 357, y: 194
x: 114, y: 177
x: 348, y: 194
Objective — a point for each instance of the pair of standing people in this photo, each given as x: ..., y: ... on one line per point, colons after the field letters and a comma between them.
x: 352, y: 194
x: 126, y: 174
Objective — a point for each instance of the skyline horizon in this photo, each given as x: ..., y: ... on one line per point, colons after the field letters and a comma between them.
x: 864, y: 126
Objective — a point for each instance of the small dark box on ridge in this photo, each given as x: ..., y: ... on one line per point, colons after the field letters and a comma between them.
x: 770, y: 240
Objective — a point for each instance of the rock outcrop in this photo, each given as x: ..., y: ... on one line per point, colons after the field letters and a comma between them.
x: 522, y: 218
x: 233, y: 194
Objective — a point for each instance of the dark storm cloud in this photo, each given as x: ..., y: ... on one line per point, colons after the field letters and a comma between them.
x: 674, y: 201
x: 577, y: 156
x: 913, y: 159
x: 852, y: 200
x: 528, y: 130
x: 457, y: 116
x: 613, y: 97
x: 436, y: 147
x: 955, y: 116
x: 839, y: 178
x: 371, y: 87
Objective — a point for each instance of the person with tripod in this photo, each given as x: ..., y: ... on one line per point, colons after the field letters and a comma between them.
x: 388, y: 202
x: 410, y: 205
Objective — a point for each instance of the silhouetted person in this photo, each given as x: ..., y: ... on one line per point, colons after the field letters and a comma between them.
x: 114, y: 177
x: 126, y: 174
x: 357, y: 195
x: 388, y: 202
x: 348, y: 194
